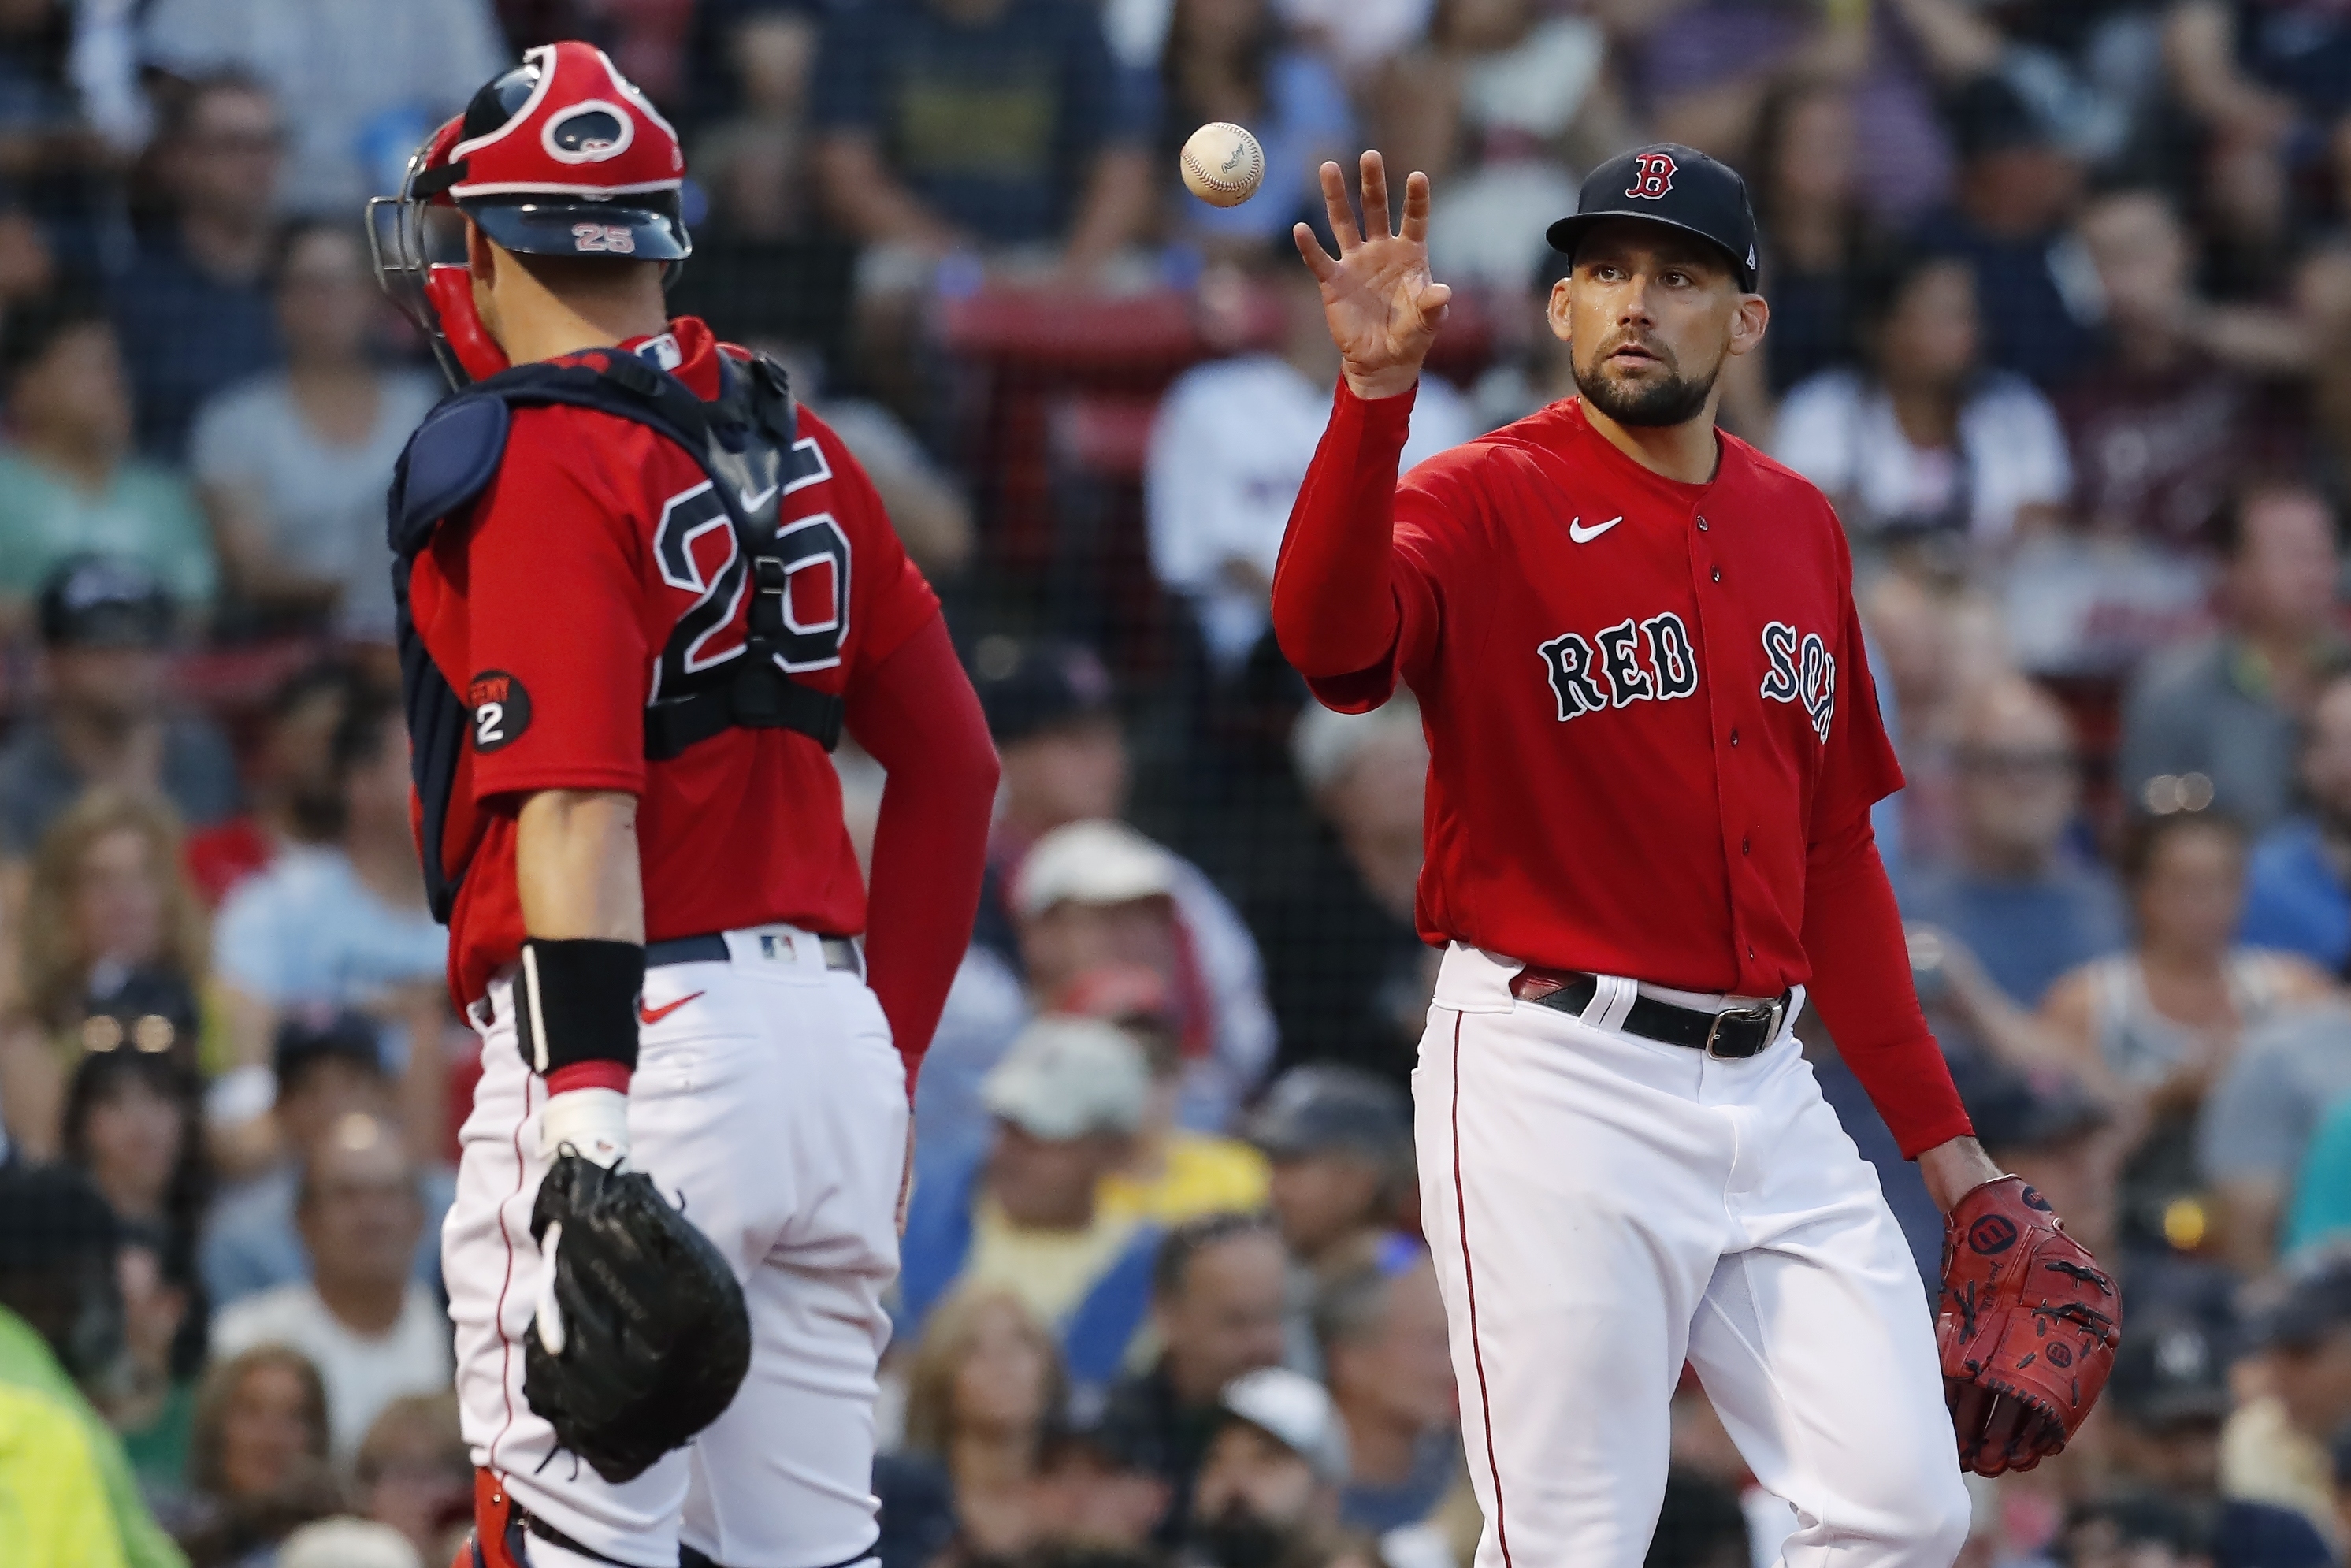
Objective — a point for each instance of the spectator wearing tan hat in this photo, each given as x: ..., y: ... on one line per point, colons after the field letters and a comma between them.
x: 1068, y: 1099
x: 1174, y: 1173
x: 1053, y: 713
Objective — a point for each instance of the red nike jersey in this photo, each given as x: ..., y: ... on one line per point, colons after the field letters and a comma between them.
x: 587, y: 569
x: 1645, y: 701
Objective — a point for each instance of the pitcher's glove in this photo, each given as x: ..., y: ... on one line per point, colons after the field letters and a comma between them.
x: 2027, y: 1331
x: 642, y: 1337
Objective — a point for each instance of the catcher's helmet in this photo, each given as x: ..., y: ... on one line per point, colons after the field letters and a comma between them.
x: 559, y: 156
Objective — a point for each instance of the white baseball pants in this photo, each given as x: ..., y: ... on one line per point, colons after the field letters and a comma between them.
x: 1603, y: 1208
x: 773, y: 1104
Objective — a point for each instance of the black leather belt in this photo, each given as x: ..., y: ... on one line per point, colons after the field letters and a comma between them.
x: 840, y: 952
x: 1731, y: 1034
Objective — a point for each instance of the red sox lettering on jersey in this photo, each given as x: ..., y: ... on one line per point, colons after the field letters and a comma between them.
x: 1652, y: 661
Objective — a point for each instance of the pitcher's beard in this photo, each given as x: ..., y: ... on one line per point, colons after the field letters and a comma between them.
x: 1677, y: 400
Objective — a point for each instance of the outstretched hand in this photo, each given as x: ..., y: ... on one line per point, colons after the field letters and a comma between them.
x: 1382, y: 306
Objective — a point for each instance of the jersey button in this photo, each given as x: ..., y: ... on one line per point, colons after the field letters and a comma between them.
x: 1718, y: 574
x: 1701, y: 524
x: 1734, y: 738
x: 1746, y: 844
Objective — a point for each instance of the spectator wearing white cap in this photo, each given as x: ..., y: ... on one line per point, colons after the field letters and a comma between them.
x: 1052, y: 712
x: 1067, y: 1099
x: 1097, y: 891
x: 1272, y: 1473
x: 346, y: 1542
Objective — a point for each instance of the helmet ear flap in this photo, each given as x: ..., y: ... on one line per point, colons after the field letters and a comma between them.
x: 450, y: 291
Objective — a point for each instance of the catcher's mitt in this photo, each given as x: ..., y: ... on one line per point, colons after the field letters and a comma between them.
x: 642, y: 1337
x: 2027, y: 1331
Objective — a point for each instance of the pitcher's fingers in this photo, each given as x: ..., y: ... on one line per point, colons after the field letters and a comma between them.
x: 2008, y: 1418
x: 1342, y: 214
x: 1378, y: 222
x: 1967, y: 1401
x: 1317, y: 259
x: 1416, y: 207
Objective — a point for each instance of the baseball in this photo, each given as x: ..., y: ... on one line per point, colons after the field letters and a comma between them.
x: 1223, y: 164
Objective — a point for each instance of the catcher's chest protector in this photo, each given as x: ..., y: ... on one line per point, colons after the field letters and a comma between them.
x: 745, y: 440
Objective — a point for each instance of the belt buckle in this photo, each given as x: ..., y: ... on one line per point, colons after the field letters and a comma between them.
x: 1759, y: 1012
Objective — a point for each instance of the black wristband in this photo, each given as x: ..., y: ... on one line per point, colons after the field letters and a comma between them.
x: 576, y: 1000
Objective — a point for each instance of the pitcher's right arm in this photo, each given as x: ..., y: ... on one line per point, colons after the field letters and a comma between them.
x: 1335, y: 608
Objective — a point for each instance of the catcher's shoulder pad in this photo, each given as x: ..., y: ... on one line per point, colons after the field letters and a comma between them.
x: 451, y: 459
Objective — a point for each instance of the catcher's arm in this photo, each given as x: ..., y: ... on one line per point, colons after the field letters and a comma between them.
x: 643, y: 1336
x: 583, y: 963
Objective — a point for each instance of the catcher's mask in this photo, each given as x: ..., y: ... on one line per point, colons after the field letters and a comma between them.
x: 559, y: 156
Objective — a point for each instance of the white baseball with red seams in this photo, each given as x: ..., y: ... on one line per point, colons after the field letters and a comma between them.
x: 1603, y: 1208
x: 1222, y: 163
x: 769, y: 1100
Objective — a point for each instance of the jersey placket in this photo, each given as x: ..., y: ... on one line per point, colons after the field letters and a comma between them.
x: 1730, y: 720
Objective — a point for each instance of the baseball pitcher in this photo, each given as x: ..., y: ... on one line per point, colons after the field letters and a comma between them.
x: 1654, y: 747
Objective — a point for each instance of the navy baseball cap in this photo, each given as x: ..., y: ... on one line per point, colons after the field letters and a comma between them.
x: 105, y: 602
x: 2306, y: 1302
x: 320, y: 1034
x: 1027, y: 688
x: 1322, y: 1106
x: 2169, y: 1372
x: 1667, y: 183
x: 2014, y: 1109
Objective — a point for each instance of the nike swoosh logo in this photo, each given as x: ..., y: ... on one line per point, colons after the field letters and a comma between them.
x: 646, y: 1015
x: 1584, y: 536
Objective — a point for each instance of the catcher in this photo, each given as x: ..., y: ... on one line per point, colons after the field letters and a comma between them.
x: 1654, y: 747
x: 642, y: 595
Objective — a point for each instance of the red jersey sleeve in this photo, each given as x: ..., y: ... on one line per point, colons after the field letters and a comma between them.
x: 1861, y: 984
x: 1851, y: 928
x: 889, y: 602
x: 1353, y: 607
x: 555, y: 613
x: 1860, y: 769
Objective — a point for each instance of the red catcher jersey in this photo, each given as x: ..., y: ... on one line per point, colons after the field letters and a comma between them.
x: 1645, y: 701
x: 586, y: 566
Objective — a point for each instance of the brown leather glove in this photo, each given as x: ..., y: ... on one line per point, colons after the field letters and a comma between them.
x: 2027, y: 1331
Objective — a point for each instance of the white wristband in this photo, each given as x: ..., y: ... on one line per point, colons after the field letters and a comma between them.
x: 592, y: 1122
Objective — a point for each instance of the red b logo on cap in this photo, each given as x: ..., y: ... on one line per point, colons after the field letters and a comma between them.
x: 1656, y: 176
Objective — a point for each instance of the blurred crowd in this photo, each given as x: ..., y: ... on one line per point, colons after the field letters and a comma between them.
x: 2061, y: 320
